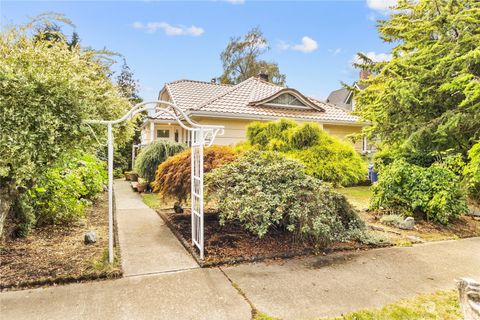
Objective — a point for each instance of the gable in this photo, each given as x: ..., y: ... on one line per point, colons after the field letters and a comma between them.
x: 287, y: 98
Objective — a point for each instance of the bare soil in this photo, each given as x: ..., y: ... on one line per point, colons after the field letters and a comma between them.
x: 57, y: 254
x: 230, y: 243
x: 461, y: 227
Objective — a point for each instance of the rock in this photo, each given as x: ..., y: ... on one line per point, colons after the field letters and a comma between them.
x: 475, y: 212
x: 90, y: 237
x: 407, y: 224
x: 469, y: 297
x: 177, y: 208
x: 414, y: 239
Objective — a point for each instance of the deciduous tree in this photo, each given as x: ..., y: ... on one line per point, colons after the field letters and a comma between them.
x: 241, y: 59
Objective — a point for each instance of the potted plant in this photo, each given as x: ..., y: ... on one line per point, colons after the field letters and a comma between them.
x: 142, y: 185
x: 127, y: 175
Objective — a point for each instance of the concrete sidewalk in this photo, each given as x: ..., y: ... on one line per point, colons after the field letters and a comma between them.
x: 147, y: 245
x: 336, y: 284
x: 201, y: 294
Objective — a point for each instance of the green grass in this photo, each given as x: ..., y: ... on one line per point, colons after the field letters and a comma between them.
x: 359, y: 197
x: 439, y: 305
x: 152, y: 200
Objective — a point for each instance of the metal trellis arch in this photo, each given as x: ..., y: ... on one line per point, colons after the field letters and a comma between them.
x: 200, y: 136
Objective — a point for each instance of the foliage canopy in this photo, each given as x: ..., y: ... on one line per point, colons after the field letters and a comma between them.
x: 151, y: 156
x: 426, y: 99
x: 324, y: 156
x: 241, y: 59
x: 47, y: 89
x: 173, y: 176
x: 263, y: 190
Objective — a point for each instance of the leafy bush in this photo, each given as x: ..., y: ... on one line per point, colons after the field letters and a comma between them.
x: 472, y: 172
x: 173, y: 176
x: 324, y: 156
x: 406, y: 189
x: 62, y: 193
x: 267, y: 190
x: 154, y: 154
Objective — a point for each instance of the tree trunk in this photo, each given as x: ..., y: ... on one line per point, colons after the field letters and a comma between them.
x: 8, y: 194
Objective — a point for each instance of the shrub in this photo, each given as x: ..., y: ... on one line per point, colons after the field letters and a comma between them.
x: 472, y: 172
x: 62, y: 193
x: 393, y: 220
x: 406, y: 189
x: 154, y: 154
x: 173, y: 176
x: 324, y: 156
x: 267, y: 190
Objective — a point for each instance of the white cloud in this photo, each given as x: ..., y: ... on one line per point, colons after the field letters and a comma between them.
x: 335, y: 51
x: 375, y: 57
x: 308, y: 45
x: 180, y: 30
x: 381, y: 5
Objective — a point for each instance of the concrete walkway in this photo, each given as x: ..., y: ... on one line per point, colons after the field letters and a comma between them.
x: 147, y: 245
x: 201, y: 294
x: 335, y: 284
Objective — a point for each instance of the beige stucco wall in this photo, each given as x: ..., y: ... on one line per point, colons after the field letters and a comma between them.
x: 342, y: 131
x: 236, y: 129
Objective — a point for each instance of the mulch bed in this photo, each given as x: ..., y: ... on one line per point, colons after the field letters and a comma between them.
x: 57, y: 254
x: 230, y: 244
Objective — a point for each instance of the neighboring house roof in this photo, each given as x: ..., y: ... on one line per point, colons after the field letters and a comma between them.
x: 340, y: 98
x: 344, y: 97
x: 252, y: 98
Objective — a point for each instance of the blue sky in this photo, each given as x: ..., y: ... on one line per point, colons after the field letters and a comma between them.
x: 312, y: 41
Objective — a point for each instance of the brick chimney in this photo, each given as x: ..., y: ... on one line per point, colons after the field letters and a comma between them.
x: 263, y: 75
x: 364, y: 74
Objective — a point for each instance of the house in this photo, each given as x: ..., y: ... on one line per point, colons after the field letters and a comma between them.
x: 343, y: 97
x: 236, y: 106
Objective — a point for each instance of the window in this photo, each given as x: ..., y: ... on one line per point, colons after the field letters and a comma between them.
x: 176, y: 135
x: 163, y: 133
x: 288, y: 100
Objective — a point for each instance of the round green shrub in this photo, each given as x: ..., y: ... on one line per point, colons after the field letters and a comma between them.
x: 263, y: 190
x: 408, y: 189
x: 62, y: 193
x: 151, y: 156
x: 324, y: 156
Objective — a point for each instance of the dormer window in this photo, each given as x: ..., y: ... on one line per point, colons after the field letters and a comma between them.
x: 287, y: 98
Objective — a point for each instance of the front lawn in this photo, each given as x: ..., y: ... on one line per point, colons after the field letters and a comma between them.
x: 57, y: 254
x: 359, y: 196
x: 439, y: 305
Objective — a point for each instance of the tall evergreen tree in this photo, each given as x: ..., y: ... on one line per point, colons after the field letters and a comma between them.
x: 426, y: 100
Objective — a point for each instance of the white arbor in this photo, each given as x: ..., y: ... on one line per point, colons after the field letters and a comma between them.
x: 200, y: 136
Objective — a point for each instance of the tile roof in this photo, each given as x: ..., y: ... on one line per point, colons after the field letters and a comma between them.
x: 204, y: 97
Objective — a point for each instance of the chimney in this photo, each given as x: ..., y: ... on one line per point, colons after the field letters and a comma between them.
x: 364, y: 74
x: 263, y: 75
x: 213, y: 81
